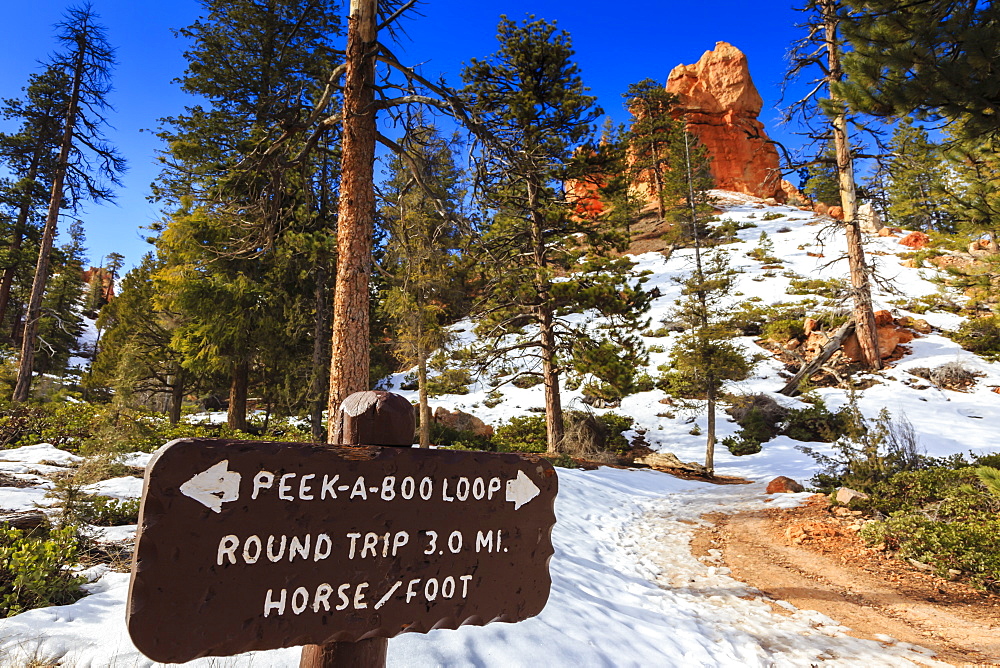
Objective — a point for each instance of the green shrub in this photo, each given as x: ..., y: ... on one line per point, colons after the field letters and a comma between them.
x: 831, y: 288
x: 763, y: 251
x: 563, y: 461
x: 522, y: 434
x: 817, y: 423
x: 951, y: 494
x: 105, y: 511
x: 449, y: 381
x: 727, y: 229
x: 445, y: 436
x: 740, y: 445
x: 990, y: 478
x: 972, y: 547
x: 587, y: 434
x: 783, y: 330
x: 493, y: 399
x: 91, y: 429
x: 981, y: 336
x: 34, y: 570
x: 945, y: 516
x: 925, y: 303
x: 759, y: 417
x: 751, y: 317
x: 526, y: 380
x: 615, y: 425
x: 870, y: 452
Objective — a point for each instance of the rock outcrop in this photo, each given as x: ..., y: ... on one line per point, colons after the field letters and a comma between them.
x: 721, y: 104
x: 784, y: 485
x: 890, y: 334
x: 462, y: 421
x: 868, y: 219
x: 915, y: 240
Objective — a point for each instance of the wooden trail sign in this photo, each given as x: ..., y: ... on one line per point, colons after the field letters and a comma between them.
x: 249, y: 545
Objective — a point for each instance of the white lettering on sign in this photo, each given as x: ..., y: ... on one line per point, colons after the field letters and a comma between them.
x: 262, y: 480
x: 484, y: 541
x: 299, y: 546
x: 327, y: 487
x: 303, y: 599
x: 218, y: 485
x: 360, y: 545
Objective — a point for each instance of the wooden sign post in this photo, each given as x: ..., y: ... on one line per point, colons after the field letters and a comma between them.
x: 250, y: 545
x: 365, y: 418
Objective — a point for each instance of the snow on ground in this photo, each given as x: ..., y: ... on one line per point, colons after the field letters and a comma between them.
x: 40, y: 453
x: 626, y: 590
x: 127, y: 487
x: 946, y: 422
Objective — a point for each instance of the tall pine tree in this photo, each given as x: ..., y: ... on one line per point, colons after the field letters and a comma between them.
x: 546, y: 263
x: 917, y: 177
x: 422, y: 213
x: 82, y: 151
x: 236, y: 220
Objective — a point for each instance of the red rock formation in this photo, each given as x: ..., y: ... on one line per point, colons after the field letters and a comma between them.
x: 721, y: 104
x: 784, y: 485
x: 915, y: 240
x: 889, y: 334
x: 107, y: 282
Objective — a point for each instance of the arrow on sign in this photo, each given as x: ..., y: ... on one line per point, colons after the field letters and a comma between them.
x: 521, y: 490
x: 216, y: 485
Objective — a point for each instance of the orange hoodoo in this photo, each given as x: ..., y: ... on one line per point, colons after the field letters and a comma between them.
x: 717, y: 97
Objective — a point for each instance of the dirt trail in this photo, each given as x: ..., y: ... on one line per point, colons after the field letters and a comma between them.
x: 815, y: 560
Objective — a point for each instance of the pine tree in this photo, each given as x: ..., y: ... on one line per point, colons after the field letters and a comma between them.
x: 29, y: 156
x: 917, y: 179
x: 934, y: 59
x: 705, y: 356
x: 136, y: 357
x: 87, y: 63
x: 972, y: 194
x: 822, y: 50
x: 244, y: 230
x: 422, y: 254
x: 61, y: 322
x: 822, y: 182
x: 649, y: 139
x: 531, y: 100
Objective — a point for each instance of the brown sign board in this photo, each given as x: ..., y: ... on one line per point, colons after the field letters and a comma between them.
x: 249, y: 545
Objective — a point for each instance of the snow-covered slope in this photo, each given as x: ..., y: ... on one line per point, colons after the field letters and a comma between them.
x: 947, y: 422
x: 626, y: 589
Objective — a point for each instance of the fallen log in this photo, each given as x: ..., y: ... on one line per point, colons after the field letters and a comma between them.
x: 25, y: 520
x: 791, y: 388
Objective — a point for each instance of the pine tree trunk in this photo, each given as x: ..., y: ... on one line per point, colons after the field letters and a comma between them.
x: 546, y: 331
x: 176, y: 399
x: 349, y: 350
x: 550, y: 375
x: 658, y: 183
x: 23, y: 387
x: 425, y: 407
x: 237, y: 416
x: 864, y: 314
x: 20, y: 226
x: 710, y: 440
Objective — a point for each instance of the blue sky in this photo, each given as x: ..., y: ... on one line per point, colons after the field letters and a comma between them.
x: 616, y: 44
